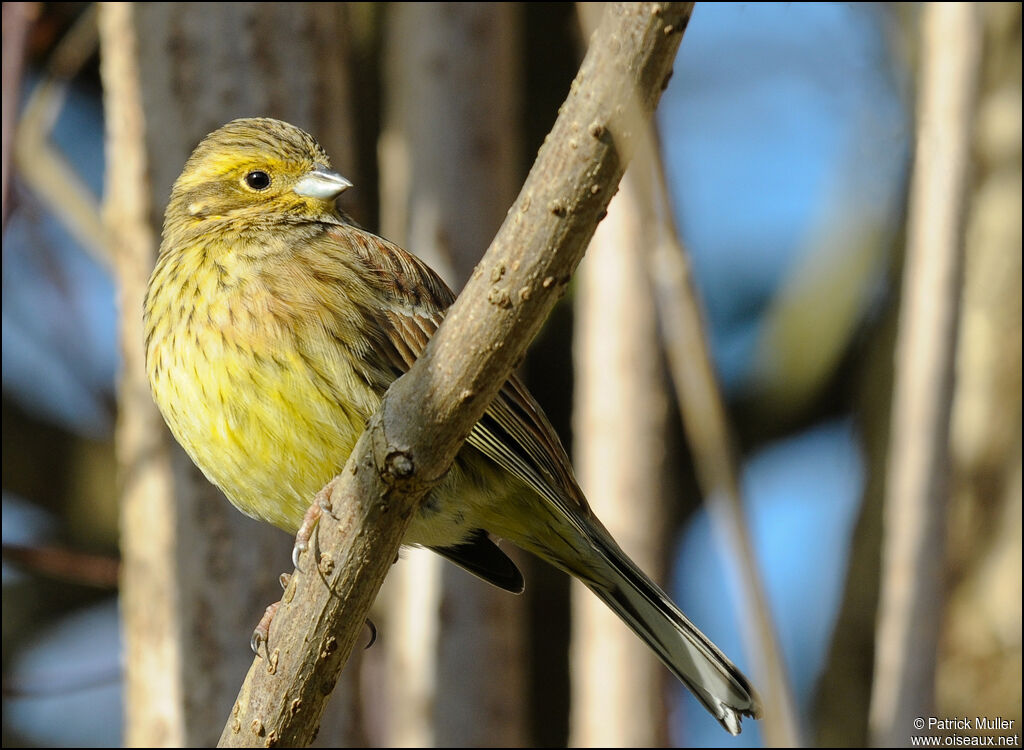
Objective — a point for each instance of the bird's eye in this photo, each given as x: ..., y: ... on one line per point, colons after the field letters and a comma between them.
x: 258, y: 180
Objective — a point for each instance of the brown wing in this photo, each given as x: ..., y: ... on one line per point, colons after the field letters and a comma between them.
x: 514, y: 433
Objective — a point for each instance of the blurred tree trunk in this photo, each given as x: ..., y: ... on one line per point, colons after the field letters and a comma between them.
x: 843, y: 695
x: 844, y: 691
x: 915, y: 517
x: 197, y: 574
x: 979, y: 669
x: 621, y: 420
x: 978, y: 663
x: 449, y: 155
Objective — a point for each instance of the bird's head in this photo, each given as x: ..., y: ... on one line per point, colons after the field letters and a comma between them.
x: 258, y: 170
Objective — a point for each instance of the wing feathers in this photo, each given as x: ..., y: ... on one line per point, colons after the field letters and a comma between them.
x: 514, y: 432
x: 482, y: 557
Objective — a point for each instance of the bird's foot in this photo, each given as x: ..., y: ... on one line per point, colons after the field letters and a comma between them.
x: 321, y: 502
x: 261, y: 634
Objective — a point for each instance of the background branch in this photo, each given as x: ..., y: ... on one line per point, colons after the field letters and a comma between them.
x: 40, y: 163
x: 447, y: 175
x: 913, y: 541
x: 17, y: 20
x: 621, y: 419
x: 154, y: 691
x: 186, y: 611
x: 679, y: 314
x: 711, y: 439
x: 620, y: 427
x: 427, y: 414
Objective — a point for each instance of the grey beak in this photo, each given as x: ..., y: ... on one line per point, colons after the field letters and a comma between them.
x: 322, y: 183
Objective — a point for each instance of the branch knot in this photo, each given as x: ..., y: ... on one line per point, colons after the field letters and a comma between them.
x: 399, y: 464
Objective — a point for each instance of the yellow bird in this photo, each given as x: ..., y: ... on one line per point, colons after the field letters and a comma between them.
x: 274, y: 327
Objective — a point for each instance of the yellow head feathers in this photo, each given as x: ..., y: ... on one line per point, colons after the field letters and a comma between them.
x: 251, y: 168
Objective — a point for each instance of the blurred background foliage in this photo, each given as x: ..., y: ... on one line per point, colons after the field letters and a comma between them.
x: 787, y: 134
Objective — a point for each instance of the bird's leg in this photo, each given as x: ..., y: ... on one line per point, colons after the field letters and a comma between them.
x: 261, y: 634
x: 310, y: 520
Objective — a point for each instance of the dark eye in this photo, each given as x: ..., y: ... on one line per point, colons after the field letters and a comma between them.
x: 258, y: 179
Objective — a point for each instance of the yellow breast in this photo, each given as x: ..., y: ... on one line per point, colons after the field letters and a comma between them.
x: 265, y: 403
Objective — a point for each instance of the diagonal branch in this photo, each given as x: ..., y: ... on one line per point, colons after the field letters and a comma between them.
x: 426, y: 415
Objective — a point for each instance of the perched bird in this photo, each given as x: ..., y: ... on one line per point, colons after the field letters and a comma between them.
x: 273, y: 328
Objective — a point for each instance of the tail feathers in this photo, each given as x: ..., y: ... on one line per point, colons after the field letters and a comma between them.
x: 686, y: 651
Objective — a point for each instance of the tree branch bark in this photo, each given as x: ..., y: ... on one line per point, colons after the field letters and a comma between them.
x: 427, y: 414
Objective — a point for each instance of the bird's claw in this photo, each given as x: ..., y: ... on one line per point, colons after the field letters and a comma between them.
x: 297, y: 551
x: 373, y: 633
x: 261, y: 635
x: 305, y: 532
x: 309, y: 522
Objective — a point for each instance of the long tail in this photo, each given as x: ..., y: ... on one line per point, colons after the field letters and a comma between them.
x: 687, y: 652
